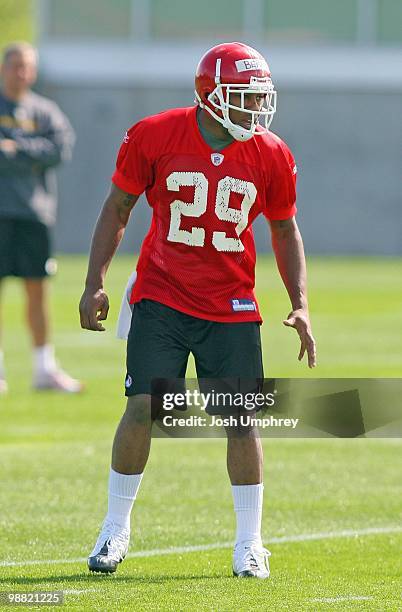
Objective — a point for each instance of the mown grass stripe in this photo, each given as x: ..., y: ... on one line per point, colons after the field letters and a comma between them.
x: 341, y: 598
x: 305, y: 537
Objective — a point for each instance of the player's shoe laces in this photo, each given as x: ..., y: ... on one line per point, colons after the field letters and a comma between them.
x: 57, y: 380
x: 110, y: 549
x: 250, y: 560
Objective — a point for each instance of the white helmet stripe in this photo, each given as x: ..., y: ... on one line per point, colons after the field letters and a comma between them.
x: 218, y: 71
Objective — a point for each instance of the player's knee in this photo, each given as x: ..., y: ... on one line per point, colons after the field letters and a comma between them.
x: 139, y: 409
x: 243, y: 427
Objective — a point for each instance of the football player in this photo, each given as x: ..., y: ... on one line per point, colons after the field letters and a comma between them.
x: 208, y: 171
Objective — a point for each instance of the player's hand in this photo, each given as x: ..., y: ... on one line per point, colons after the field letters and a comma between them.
x: 8, y: 146
x: 94, y: 307
x: 300, y: 320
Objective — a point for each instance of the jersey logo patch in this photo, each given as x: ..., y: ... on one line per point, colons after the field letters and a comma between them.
x: 217, y: 158
x: 239, y: 305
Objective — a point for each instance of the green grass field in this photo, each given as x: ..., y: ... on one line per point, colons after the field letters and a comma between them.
x: 17, y: 22
x: 332, y: 507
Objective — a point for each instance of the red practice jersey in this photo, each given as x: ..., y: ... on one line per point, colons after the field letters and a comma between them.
x: 199, y: 254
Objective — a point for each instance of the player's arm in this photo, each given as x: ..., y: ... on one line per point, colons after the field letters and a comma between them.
x: 289, y: 253
x: 50, y: 145
x: 109, y: 231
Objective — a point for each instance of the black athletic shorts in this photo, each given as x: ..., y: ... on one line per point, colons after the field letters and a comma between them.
x: 24, y: 249
x: 227, y: 356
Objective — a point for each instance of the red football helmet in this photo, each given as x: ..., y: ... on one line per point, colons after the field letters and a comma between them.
x: 235, y: 68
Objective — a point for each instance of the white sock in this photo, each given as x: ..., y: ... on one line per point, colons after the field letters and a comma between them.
x: 123, y: 489
x: 247, y: 501
x: 44, y: 360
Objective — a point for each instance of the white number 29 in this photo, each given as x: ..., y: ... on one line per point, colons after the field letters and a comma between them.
x: 196, y: 208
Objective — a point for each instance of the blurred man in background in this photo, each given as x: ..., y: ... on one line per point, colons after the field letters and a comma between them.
x: 35, y: 136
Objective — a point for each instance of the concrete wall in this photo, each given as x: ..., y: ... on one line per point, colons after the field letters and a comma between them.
x: 347, y: 140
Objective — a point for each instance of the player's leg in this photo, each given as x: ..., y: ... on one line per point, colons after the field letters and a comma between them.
x: 245, y: 469
x: 37, y: 313
x: 155, y: 349
x: 34, y: 265
x: 130, y: 453
x: 231, y: 351
x: 244, y: 456
x: 132, y: 441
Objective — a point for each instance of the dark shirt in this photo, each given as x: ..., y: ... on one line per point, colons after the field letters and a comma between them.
x: 44, y: 139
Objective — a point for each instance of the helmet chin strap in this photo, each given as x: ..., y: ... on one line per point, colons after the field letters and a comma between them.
x: 238, y: 133
x: 235, y: 130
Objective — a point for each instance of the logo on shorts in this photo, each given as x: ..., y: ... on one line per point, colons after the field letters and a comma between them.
x: 129, y: 381
x: 217, y: 158
x: 240, y: 305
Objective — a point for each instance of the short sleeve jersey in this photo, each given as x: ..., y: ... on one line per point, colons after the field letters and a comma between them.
x: 199, y: 254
